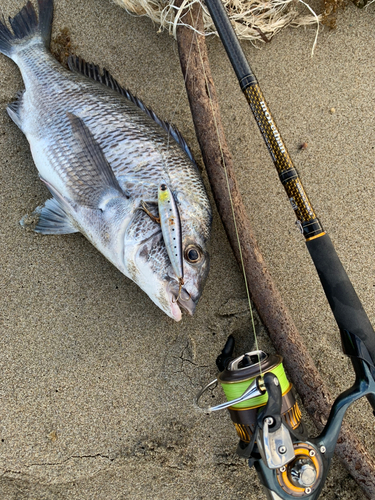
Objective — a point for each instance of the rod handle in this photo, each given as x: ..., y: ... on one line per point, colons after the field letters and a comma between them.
x: 343, y: 299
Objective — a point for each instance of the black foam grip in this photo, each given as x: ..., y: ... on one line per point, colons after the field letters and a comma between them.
x: 345, y: 304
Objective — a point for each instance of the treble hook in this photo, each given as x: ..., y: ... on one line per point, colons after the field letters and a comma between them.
x: 180, y: 285
x: 147, y: 211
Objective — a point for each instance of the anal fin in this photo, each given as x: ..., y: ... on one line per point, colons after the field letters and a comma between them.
x: 49, y: 218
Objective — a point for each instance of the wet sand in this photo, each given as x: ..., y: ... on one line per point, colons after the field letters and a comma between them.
x: 97, y: 384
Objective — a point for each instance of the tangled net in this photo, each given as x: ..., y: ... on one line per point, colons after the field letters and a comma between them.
x: 251, y: 19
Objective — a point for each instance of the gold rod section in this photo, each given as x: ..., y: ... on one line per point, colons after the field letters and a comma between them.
x: 306, y: 217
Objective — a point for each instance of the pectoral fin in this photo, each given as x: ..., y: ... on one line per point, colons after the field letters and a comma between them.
x: 93, y: 179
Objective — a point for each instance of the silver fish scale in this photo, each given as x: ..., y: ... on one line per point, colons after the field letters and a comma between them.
x: 138, y: 149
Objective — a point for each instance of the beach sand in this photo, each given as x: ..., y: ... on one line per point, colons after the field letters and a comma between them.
x: 97, y: 384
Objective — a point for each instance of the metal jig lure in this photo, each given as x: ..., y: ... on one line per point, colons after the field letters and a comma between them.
x: 171, y: 229
x: 170, y: 223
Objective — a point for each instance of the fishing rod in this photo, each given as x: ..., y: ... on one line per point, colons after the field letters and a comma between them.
x: 260, y: 399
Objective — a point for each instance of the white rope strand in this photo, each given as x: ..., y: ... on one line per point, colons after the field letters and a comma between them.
x: 254, y: 20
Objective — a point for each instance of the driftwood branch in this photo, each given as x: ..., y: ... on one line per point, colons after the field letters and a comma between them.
x: 268, y: 302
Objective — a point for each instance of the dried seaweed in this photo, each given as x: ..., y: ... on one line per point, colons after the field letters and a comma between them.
x: 61, y: 46
x: 331, y: 9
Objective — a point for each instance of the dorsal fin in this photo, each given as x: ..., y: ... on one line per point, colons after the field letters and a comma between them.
x: 92, y: 71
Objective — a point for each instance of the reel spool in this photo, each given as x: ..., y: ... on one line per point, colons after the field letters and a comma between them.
x: 239, y: 374
x: 241, y: 379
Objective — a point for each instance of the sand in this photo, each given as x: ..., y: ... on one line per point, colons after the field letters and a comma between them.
x: 97, y: 384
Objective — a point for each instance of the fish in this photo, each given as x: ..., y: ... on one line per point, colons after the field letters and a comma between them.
x: 103, y: 155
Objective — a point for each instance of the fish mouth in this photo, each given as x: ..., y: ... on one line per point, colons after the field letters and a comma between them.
x: 187, y: 305
x: 181, y: 300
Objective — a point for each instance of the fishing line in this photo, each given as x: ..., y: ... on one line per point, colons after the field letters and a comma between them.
x: 227, y: 181
x: 179, y: 11
x: 195, y: 33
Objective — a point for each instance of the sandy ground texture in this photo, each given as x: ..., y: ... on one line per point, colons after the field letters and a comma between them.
x: 97, y: 384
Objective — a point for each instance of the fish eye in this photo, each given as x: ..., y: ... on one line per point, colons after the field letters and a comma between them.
x: 193, y: 254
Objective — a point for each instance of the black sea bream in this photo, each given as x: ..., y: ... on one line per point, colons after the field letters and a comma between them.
x: 103, y: 155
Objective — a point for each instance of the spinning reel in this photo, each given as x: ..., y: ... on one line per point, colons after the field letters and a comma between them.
x: 263, y: 408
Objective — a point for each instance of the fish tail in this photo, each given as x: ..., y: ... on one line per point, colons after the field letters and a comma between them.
x: 27, y: 27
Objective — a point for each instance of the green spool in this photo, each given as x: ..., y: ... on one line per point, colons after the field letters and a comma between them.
x: 234, y: 390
